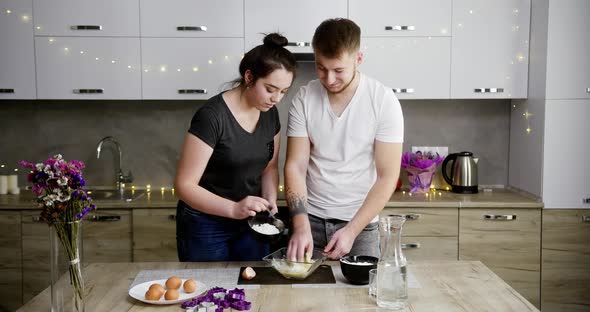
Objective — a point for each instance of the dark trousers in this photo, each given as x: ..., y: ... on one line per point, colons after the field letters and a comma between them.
x: 203, y: 237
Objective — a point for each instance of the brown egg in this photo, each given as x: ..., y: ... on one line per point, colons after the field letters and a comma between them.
x: 174, y: 282
x: 159, y: 288
x: 248, y: 273
x: 153, y: 294
x: 190, y: 286
x: 171, y: 294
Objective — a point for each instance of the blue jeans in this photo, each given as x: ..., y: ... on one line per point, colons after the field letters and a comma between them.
x: 203, y: 237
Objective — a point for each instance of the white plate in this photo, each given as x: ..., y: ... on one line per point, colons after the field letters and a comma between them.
x: 138, y: 292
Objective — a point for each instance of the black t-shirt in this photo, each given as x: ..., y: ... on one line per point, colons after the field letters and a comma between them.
x: 239, y: 157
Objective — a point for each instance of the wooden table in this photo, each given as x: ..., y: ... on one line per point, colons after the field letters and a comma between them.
x: 445, y: 286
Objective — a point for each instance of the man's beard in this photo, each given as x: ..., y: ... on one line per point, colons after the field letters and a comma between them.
x: 345, y: 86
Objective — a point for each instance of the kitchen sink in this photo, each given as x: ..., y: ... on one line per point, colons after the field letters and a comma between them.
x: 115, y: 195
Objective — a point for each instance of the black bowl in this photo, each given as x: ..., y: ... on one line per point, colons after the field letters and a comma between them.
x: 356, y: 268
x: 266, y: 217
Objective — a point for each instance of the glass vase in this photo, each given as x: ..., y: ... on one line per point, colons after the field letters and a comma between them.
x: 67, y: 283
x: 392, y: 283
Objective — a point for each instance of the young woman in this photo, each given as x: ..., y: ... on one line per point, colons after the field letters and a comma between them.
x: 228, y: 168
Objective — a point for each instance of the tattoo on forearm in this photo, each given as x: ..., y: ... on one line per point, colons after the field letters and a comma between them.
x: 297, y: 203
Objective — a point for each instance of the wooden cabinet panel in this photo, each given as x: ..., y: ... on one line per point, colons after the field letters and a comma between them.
x: 566, y: 255
x: 427, y: 221
x: 428, y: 233
x: 107, y: 236
x: 508, y: 242
x: 418, y: 248
x: 35, y: 251
x: 154, y: 235
x: 11, y: 295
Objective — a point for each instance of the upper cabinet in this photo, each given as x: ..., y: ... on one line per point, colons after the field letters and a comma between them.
x: 296, y: 20
x: 87, y: 18
x: 17, y: 61
x: 566, y: 135
x: 399, y: 40
x: 568, y: 48
x: 490, y: 48
x: 192, y: 18
x: 389, y: 18
x: 188, y: 68
x: 408, y: 66
x: 88, y: 68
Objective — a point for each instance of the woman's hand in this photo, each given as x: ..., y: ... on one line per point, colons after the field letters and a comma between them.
x: 273, y: 208
x: 249, y: 206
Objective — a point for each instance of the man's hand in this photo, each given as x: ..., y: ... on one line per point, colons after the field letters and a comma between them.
x: 300, y: 245
x: 341, y: 243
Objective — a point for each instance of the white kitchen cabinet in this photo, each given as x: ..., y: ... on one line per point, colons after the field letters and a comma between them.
x: 86, y: 18
x: 192, y: 18
x: 88, y: 68
x: 17, y: 59
x: 386, y: 18
x: 188, y: 68
x: 566, y: 179
x: 296, y: 20
x: 409, y: 66
x: 568, y: 48
x: 490, y: 49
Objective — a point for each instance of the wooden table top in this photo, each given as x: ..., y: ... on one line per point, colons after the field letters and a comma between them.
x: 445, y: 286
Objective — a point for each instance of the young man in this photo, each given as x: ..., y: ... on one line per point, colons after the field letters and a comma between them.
x: 345, y: 134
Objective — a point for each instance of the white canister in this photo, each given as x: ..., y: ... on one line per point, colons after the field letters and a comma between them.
x: 12, y: 182
x: 3, y: 184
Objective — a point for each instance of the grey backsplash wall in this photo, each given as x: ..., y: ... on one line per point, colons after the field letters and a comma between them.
x: 151, y: 133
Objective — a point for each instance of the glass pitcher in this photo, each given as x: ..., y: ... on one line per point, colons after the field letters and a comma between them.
x: 392, y: 284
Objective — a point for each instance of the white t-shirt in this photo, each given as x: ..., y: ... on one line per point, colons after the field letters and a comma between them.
x: 341, y: 168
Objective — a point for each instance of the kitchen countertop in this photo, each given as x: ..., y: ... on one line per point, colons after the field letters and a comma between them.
x: 496, y: 198
x: 442, y: 286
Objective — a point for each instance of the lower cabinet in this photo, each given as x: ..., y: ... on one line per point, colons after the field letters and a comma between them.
x: 11, y: 294
x: 154, y: 235
x: 107, y: 236
x: 35, y: 253
x: 566, y: 259
x: 428, y: 233
x: 508, y: 242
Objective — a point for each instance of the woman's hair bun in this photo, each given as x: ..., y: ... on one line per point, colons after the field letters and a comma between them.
x: 275, y: 39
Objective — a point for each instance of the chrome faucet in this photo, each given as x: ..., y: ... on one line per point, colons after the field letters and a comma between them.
x: 121, y: 178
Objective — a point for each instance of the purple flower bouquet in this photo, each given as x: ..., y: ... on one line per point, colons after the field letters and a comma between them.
x: 421, y: 168
x: 58, y: 185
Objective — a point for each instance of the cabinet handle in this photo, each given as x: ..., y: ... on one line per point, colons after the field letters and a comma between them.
x: 299, y: 44
x: 412, y: 216
x: 172, y: 217
x: 586, y: 200
x: 400, y: 27
x: 585, y: 218
x: 88, y: 91
x: 411, y: 246
x: 192, y: 91
x: 105, y: 218
x: 6, y: 90
x: 36, y: 219
x: 499, y: 217
x: 488, y: 90
x: 403, y: 90
x: 587, y: 90
x: 86, y: 27
x: 191, y: 28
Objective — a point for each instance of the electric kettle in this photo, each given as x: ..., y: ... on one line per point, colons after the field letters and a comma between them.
x: 463, y: 177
